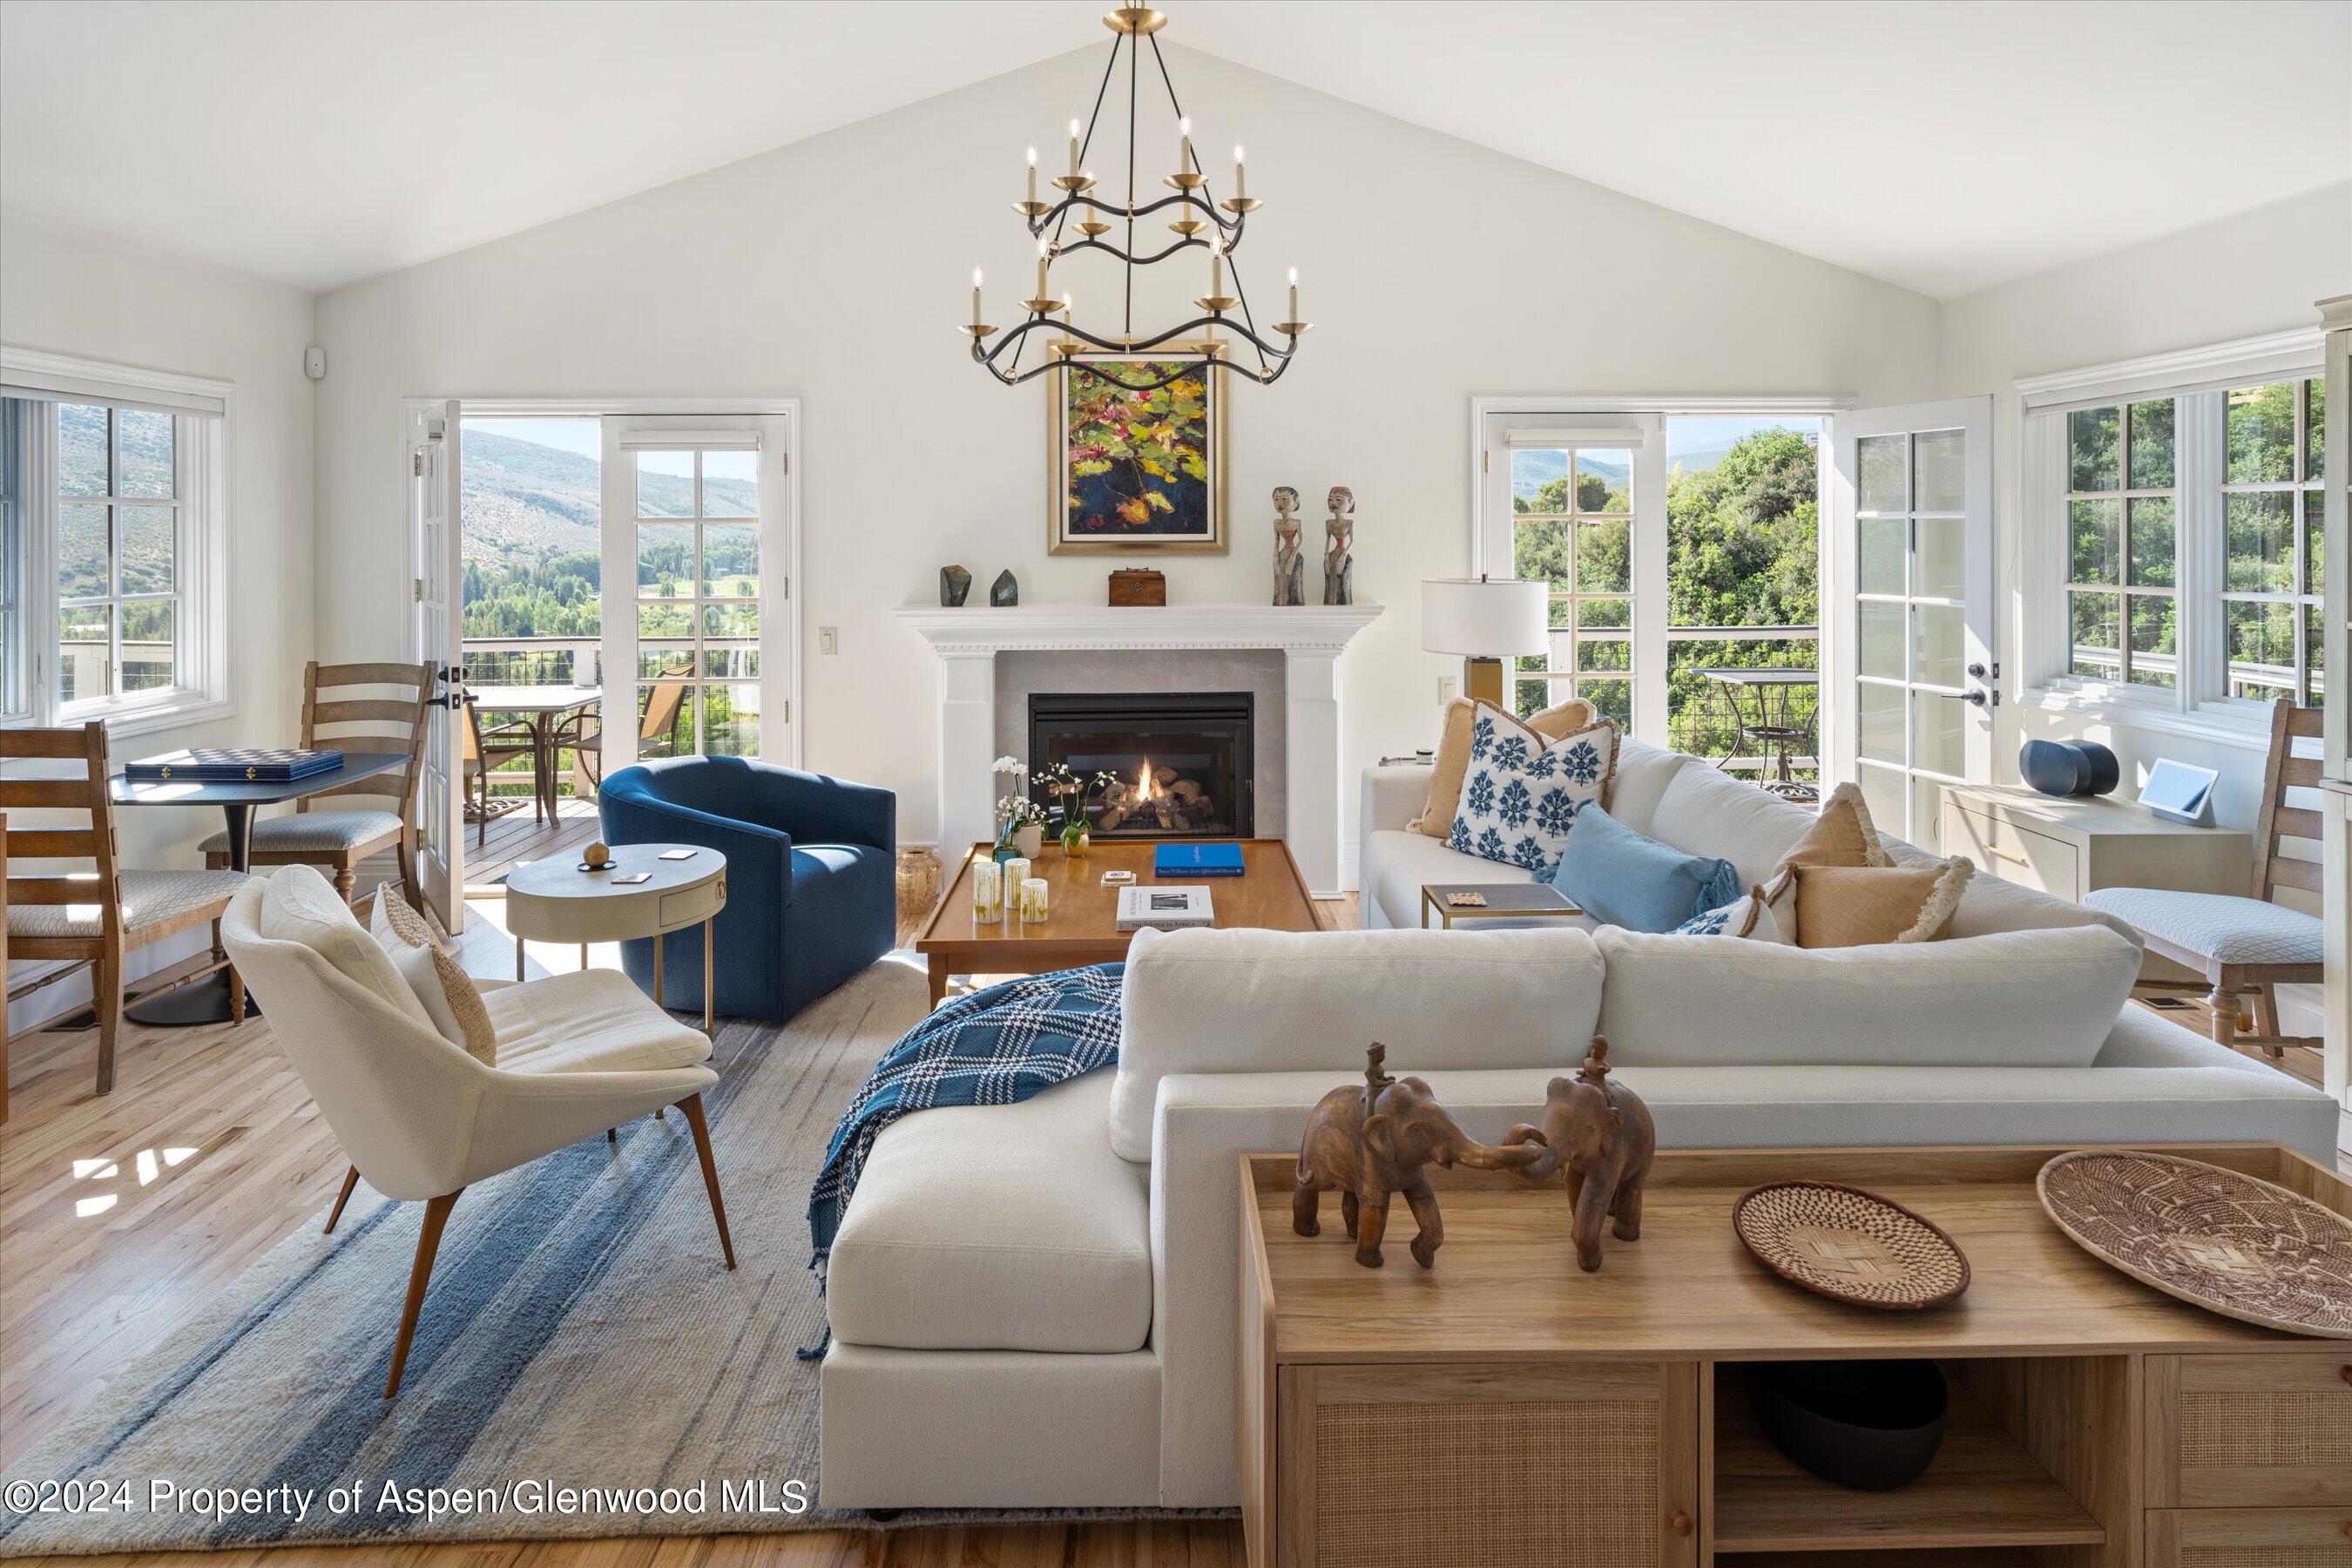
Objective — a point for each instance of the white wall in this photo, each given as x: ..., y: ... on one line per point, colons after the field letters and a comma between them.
x: 2256, y: 273
x: 835, y: 270
x: 72, y: 293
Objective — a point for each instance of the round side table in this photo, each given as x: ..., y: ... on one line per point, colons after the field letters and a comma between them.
x: 554, y: 900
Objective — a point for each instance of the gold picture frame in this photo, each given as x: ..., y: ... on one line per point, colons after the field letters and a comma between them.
x: 1145, y: 499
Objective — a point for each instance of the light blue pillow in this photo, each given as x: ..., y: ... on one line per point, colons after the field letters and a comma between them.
x: 1621, y: 878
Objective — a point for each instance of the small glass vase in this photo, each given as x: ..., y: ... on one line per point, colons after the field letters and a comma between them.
x: 1077, y: 838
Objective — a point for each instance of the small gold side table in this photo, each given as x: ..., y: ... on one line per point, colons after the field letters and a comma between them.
x: 1515, y: 900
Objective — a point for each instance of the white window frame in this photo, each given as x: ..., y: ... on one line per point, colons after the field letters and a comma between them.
x: 1591, y: 420
x: 2198, y: 705
x: 202, y: 439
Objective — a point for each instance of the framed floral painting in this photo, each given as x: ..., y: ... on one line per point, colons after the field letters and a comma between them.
x: 1136, y: 470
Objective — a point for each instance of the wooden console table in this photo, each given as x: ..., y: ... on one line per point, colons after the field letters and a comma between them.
x: 1506, y: 1408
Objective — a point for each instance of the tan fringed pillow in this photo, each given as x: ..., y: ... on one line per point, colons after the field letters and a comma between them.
x: 441, y: 983
x: 1843, y: 835
x: 1452, y: 763
x: 1863, y: 906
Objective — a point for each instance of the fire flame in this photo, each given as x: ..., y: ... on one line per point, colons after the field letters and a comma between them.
x: 1145, y: 783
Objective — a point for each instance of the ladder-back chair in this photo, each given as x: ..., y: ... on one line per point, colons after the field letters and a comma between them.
x: 95, y: 916
x: 343, y: 710
x: 2243, y: 945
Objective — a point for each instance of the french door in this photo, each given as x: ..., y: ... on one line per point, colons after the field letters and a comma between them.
x: 435, y: 531
x: 1907, y: 596
x: 698, y: 622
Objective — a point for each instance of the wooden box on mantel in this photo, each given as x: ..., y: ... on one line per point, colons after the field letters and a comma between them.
x: 1139, y: 586
x: 1506, y: 1408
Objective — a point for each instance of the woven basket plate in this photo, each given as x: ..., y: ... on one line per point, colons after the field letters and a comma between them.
x: 2229, y: 1242
x: 1849, y: 1244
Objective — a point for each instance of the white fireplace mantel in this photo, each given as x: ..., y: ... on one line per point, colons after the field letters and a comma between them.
x: 1311, y: 637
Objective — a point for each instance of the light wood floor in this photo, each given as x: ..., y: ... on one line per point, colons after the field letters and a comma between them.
x: 121, y: 1216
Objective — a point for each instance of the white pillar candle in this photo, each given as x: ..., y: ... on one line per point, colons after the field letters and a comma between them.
x: 987, y: 890
x: 1016, y: 871
x: 1032, y: 900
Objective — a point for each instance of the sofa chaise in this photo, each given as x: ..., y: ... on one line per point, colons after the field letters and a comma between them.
x: 1033, y: 1305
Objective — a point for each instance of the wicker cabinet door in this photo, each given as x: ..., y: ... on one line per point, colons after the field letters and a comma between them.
x: 2250, y: 1538
x: 1589, y: 1465
x: 2251, y: 1431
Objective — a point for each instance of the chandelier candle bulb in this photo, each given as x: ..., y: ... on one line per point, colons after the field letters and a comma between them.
x: 1294, y: 293
x: 1073, y: 146
x: 1240, y: 185
x: 1032, y: 174
x: 975, y: 297
x: 1184, y: 164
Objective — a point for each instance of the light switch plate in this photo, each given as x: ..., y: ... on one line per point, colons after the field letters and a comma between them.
x: 1449, y: 686
x: 828, y: 639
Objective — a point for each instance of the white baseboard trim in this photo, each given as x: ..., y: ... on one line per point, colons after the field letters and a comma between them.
x: 72, y: 994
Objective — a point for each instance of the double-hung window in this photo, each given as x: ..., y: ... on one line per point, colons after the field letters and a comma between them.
x: 111, y: 598
x: 2173, y: 537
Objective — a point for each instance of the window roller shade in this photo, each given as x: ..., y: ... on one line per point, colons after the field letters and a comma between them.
x: 686, y: 441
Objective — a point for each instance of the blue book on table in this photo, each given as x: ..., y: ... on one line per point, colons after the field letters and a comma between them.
x: 1197, y: 860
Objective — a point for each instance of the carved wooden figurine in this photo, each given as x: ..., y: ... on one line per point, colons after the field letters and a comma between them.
x: 1338, y: 562
x: 1602, y: 1133
x: 1371, y: 1142
x: 1289, y: 561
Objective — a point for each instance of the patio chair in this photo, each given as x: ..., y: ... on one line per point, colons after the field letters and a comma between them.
x: 583, y: 735
x: 488, y: 748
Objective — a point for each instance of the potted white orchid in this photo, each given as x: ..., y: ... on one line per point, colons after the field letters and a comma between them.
x: 1020, y: 821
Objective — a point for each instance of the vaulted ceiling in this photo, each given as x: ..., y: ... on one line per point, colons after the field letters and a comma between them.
x: 1942, y: 146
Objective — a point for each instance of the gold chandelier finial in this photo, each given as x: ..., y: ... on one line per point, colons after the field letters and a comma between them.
x: 1134, y: 20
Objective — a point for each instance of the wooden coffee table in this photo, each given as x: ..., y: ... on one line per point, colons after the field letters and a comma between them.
x: 1081, y: 929
x: 2094, y: 1422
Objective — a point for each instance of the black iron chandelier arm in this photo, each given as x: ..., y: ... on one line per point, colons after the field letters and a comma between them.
x: 1012, y: 336
x: 1110, y: 208
x: 1107, y: 248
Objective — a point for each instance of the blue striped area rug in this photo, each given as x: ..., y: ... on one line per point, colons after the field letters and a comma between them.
x: 584, y: 1364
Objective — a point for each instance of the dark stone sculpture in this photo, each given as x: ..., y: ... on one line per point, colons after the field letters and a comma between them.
x: 955, y: 584
x: 1005, y: 592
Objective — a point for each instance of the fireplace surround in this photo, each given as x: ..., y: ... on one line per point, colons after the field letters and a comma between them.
x: 1183, y: 762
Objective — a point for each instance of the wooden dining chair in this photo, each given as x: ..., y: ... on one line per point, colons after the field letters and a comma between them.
x: 96, y: 917
x: 487, y: 749
x: 2242, y: 944
x: 343, y: 710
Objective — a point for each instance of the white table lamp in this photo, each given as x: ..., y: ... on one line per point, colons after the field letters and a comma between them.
x: 1486, y: 620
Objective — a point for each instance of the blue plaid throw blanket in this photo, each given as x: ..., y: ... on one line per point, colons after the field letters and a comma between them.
x: 996, y: 1046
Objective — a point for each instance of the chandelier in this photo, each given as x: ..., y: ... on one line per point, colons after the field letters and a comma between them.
x: 1199, y: 222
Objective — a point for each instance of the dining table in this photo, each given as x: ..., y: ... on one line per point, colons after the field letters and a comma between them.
x: 543, y: 709
x: 206, y: 1001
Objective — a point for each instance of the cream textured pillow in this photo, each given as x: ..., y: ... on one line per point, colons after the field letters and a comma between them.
x: 1453, y: 759
x: 1843, y: 835
x: 434, y: 976
x: 299, y: 905
x: 1860, y: 906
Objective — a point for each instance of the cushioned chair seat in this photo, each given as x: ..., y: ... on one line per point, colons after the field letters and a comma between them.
x: 998, y: 1228
x: 149, y: 898
x: 2226, y: 930
x: 314, y: 830
x: 591, y: 1021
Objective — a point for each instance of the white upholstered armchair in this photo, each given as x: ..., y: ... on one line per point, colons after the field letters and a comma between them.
x: 418, y: 1115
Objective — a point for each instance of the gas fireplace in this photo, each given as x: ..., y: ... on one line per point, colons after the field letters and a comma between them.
x: 1179, y: 762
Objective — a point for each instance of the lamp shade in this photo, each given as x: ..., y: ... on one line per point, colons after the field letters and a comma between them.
x: 1483, y: 617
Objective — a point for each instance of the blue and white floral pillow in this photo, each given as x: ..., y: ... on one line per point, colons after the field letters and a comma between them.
x: 1752, y: 916
x: 1520, y: 794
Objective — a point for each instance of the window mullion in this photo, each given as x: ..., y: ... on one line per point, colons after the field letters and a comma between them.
x: 2198, y: 546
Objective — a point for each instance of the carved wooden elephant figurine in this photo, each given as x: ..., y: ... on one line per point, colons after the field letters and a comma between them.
x: 1602, y: 1133
x: 1371, y: 1142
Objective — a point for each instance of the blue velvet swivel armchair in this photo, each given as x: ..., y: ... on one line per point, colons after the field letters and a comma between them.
x: 811, y: 890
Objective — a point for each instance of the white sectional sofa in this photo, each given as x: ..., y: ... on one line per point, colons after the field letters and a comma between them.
x: 1033, y: 1305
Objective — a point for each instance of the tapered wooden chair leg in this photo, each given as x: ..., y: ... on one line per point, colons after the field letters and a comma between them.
x: 428, y: 1242
x: 351, y: 1180
x: 106, y: 976
x: 692, y: 1106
